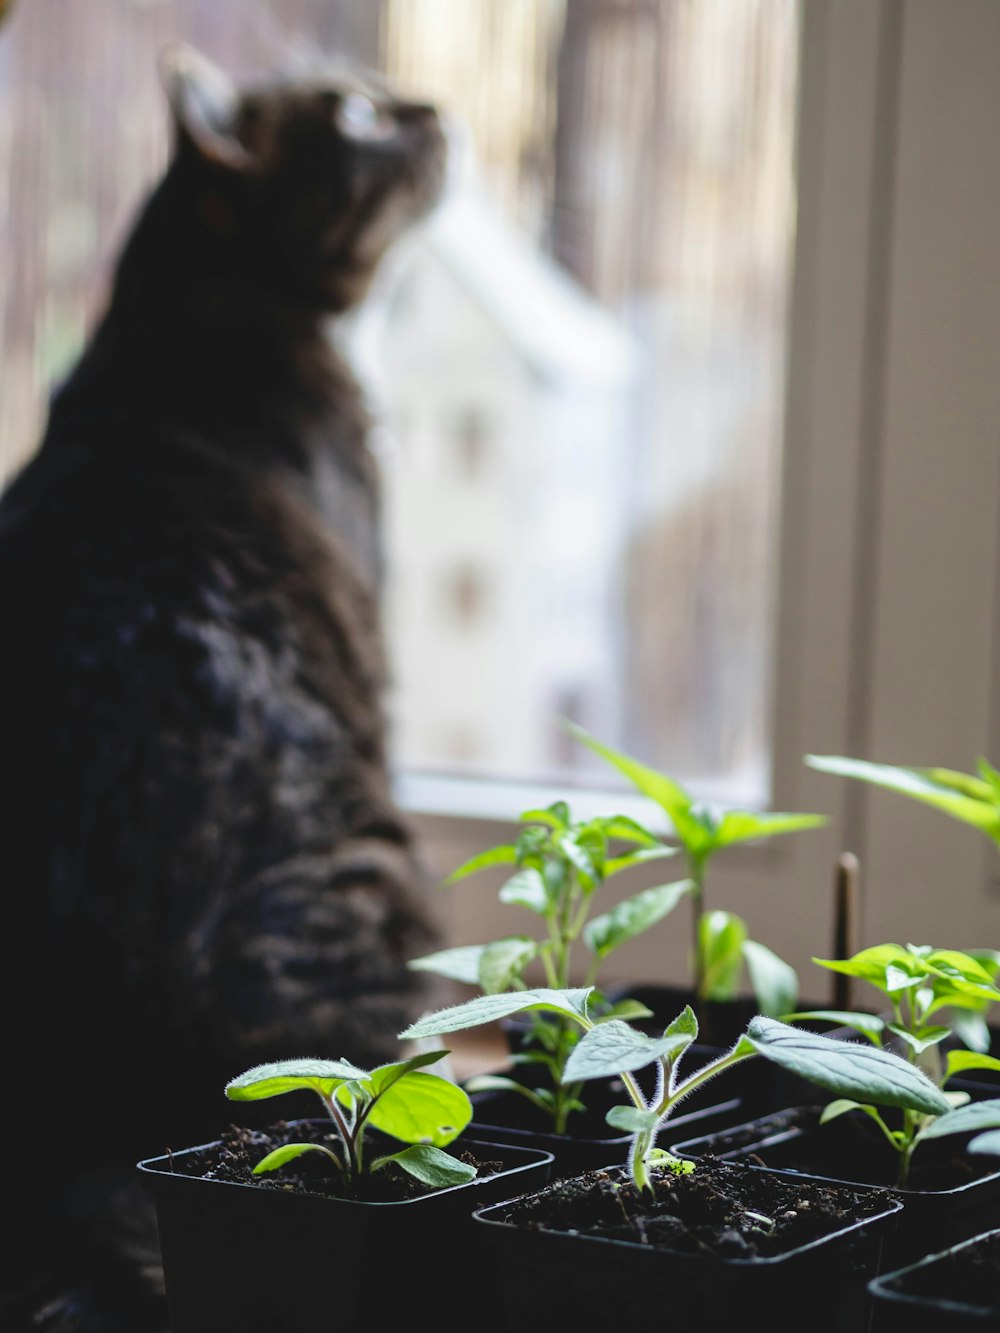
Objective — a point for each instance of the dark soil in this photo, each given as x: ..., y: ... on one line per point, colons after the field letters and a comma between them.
x: 239, y: 1148
x: 727, y: 1209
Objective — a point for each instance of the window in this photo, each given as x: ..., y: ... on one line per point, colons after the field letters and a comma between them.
x: 723, y: 300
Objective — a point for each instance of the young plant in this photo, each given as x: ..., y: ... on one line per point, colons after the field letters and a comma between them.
x: 559, y: 865
x: 971, y: 798
x: 611, y: 1046
x: 922, y: 986
x: 720, y: 944
x: 420, y: 1109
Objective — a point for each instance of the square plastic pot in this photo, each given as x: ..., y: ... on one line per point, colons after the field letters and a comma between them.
x: 953, y: 1290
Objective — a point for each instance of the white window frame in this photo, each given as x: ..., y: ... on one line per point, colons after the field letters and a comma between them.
x: 887, y: 630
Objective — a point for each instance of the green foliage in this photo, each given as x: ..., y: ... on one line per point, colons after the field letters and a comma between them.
x: 923, y: 987
x: 420, y: 1109
x: 721, y: 948
x: 558, y: 867
x: 611, y: 1046
x: 971, y: 798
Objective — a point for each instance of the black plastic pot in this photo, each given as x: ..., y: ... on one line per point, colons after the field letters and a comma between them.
x: 257, y: 1259
x: 554, y: 1275
x: 952, y: 1194
x: 955, y: 1289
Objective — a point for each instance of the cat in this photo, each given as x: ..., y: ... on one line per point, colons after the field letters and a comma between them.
x: 204, y: 864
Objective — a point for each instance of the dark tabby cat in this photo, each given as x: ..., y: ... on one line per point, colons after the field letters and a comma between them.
x: 203, y: 864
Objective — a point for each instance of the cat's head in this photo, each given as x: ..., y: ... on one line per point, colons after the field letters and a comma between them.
x: 312, y: 178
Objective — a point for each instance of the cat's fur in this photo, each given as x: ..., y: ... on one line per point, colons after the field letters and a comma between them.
x: 203, y: 867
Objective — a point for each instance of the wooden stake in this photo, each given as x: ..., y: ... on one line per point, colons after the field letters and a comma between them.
x: 845, y: 925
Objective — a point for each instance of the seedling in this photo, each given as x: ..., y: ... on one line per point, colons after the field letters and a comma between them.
x: 420, y: 1109
x: 720, y: 944
x: 559, y: 866
x: 971, y: 798
x: 921, y: 985
x: 611, y: 1046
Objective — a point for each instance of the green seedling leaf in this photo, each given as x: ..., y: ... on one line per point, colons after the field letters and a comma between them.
x: 633, y: 915
x: 639, y: 856
x: 527, y: 889
x: 855, y: 1070
x: 555, y: 816
x: 979, y: 1115
x: 458, y: 964
x: 503, y: 963
x: 964, y: 797
x: 505, y: 854
x: 281, y: 1076
x: 774, y: 982
x: 491, y: 1008
x: 616, y: 1048
x: 631, y: 1119
x: 750, y: 826
x: 418, y: 1108
x: 430, y: 1166
x: 721, y: 938
x: 985, y: 1143
x: 289, y: 1152
x: 960, y: 1062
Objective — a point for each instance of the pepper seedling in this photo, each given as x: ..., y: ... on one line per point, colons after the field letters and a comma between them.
x: 921, y: 985
x: 559, y: 865
x: 611, y: 1046
x: 402, y: 1100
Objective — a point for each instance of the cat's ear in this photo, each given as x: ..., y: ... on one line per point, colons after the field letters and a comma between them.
x: 204, y: 102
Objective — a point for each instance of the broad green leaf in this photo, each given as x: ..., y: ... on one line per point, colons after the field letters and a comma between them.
x: 615, y: 1048
x: 963, y: 797
x: 503, y: 962
x: 288, y: 1153
x: 959, y: 1062
x: 721, y: 936
x: 458, y: 964
x: 985, y: 1143
x: 626, y: 829
x: 633, y: 915
x: 875, y: 964
x: 527, y: 889
x: 491, y: 1008
x: 429, y: 1165
x: 869, y: 1025
x: 980, y: 1115
x: 631, y: 1119
x: 420, y: 1108
x: 851, y: 1069
x: 921, y: 1041
x: 749, y: 826
x: 280, y: 1076
x: 963, y: 967
x: 773, y: 981
x: 505, y: 854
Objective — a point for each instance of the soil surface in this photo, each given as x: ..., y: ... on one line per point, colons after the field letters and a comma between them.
x: 240, y: 1148
x: 727, y: 1209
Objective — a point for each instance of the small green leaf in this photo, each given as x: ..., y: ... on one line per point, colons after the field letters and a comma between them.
x: 288, y: 1153
x: 429, y: 1165
x: 615, y: 1048
x: 750, y: 826
x: 419, y: 1107
x: 773, y: 981
x: 505, y: 854
x: 527, y: 889
x: 960, y: 1062
x: 985, y: 1143
x: 633, y: 916
x: 491, y: 1008
x: 721, y: 937
x: 980, y: 1115
x: 281, y: 1076
x: 555, y: 816
x: 458, y: 964
x: 851, y: 1069
x: 503, y: 962
x: 631, y: 1119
